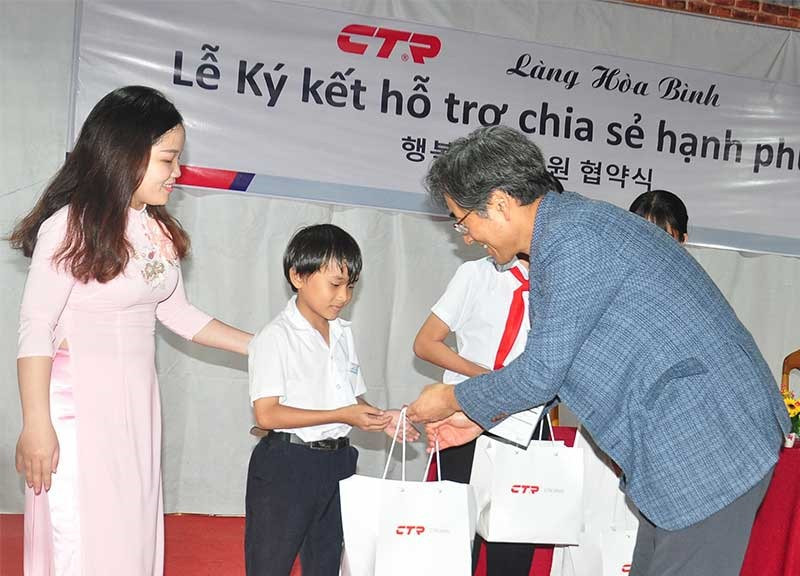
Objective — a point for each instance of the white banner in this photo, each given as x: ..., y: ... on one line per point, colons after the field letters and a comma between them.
x: 330, y: 106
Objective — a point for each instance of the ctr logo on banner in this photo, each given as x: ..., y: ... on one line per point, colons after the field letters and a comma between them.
x: 421, y: 45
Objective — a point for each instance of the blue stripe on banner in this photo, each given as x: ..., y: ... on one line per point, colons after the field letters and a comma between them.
x: 348, y: 194
x: 386, y: 199
x: 242, y: 181
x: 744, y: 241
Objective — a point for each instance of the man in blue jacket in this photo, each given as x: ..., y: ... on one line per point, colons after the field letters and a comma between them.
x: 633, y: 336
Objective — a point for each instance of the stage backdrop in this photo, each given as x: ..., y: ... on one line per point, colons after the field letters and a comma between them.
x: 301, y: 102
x: 238, y: 242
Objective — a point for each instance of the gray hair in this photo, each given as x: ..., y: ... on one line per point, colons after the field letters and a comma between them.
x: 488, y: 159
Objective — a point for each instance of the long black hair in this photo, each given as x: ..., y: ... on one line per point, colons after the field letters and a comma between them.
x: 97, y: 181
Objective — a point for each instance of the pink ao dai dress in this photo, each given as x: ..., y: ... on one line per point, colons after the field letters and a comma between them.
x: 103, y: 514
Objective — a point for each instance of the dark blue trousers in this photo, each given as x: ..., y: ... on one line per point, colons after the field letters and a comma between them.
x: 292, y: 505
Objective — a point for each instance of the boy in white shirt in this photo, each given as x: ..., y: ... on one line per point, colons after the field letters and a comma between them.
x: 487, y: 309
x: 306, y: 387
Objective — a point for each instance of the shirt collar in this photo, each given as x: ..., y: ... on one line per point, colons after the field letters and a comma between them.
x: 300, y: 322
x: 522, y: 269
x: 541, y: 220
x: 515, y: 263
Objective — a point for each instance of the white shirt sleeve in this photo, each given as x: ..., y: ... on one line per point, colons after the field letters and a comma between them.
x: 453, y: 306
x: 266, y: 363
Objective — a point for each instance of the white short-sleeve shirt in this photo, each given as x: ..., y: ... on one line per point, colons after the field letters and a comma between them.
x: 290, y: 359
x: 475, y: 306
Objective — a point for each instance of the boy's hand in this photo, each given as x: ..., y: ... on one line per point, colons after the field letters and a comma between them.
x: 412, y: 434
x: 365, y: 417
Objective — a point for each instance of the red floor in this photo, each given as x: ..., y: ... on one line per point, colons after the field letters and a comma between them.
x: 10, y: 544
x: 195, y: 545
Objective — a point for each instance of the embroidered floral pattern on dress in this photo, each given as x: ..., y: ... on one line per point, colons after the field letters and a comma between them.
x: 153, y: 252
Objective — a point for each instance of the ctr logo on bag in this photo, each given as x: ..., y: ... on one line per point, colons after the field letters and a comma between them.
x: 524, y: 489
x: 409, y: 530
x: 626, y: 568
x: 421, y: 46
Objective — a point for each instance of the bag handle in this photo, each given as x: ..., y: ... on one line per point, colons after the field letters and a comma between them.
x: 550, y: 425
x: 401, y: 423
x: 438, y: 462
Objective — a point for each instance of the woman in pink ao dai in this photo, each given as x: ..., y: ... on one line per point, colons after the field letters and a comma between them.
x: 105, y: 264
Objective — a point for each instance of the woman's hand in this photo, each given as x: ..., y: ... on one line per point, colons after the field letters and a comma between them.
x: 37, y: 455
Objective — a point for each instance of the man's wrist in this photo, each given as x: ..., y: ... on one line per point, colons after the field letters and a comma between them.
x: 452, y: 401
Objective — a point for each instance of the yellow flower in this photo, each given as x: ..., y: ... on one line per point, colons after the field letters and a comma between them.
x: 792, y: 403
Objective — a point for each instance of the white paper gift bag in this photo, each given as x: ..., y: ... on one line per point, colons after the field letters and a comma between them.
x: 619, y: 538
x: 395, y: 527
x: 617, y: 551
x: 599, y: 553
x: 532, y: 494
x: 360, y: 498
x: 610, y: 521
x: 424, y: 528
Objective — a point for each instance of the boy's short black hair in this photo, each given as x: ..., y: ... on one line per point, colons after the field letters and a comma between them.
x: 313, y: 247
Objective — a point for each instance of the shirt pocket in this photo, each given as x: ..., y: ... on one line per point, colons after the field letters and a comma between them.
x: 353, y: 376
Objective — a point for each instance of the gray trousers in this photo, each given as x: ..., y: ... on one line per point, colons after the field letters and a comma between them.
x: 712, y: 547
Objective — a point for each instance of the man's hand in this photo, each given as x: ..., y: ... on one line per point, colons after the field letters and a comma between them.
x: 454, y: 430
x: 412, y: 434
x: 435, y: 402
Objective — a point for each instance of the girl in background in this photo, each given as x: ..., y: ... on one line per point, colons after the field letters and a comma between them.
x: 665, y: 210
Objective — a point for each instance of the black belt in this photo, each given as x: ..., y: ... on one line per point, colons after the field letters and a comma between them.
x: 326, y: 444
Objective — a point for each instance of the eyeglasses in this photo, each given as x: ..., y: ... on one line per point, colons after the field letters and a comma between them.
x: 459, y: 227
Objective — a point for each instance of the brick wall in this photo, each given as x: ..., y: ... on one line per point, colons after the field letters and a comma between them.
x: 785, y: 14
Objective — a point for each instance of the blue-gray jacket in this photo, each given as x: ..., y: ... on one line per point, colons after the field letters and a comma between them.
x: 633, y: 336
